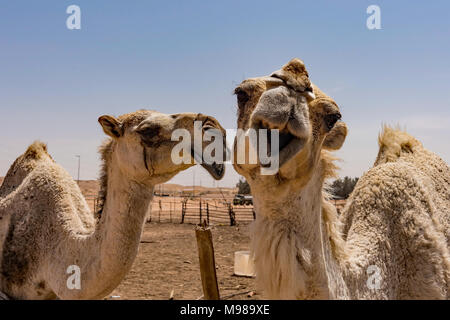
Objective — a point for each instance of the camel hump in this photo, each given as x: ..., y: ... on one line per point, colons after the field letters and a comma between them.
x: 394, y: 143
x: 36, y: 150
x: 22, y: 166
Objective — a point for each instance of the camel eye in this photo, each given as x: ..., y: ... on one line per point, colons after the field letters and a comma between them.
x: 207, y: 127
x: 331, y: 119
x: 149, y: 132
x: 242, y: 97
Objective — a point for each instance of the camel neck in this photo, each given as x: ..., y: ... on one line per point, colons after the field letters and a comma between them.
x: 295, y: 222
x: 117, y: 236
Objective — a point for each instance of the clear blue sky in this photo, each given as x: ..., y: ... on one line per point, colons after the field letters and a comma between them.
x: 180, y: 56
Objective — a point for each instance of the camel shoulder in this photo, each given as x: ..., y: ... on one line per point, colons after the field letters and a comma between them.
x: 382, y: 194
x: 387, y: 182
x: 393, y: 195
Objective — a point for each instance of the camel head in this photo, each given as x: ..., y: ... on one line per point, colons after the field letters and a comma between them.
x: 306, y: 119
x: 141, y: 143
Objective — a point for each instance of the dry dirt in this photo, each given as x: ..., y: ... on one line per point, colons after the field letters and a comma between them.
x: 168, y: 260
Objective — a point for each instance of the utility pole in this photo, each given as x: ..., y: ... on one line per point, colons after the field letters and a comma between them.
x: 79, y: 160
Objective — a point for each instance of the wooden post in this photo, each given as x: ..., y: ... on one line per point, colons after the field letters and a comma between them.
x: 254, y: 214
x: 200, y: 210
x: 232, y: 215
x: 160, y: 208
x: 207, y: 262
x: 207, y: 213
x: 170, y: 211
x: 183, y: 211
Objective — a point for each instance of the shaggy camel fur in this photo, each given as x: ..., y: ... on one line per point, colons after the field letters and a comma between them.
x: 391, y: 241
x: 46, y: 225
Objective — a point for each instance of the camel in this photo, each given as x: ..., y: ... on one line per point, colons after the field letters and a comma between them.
x: 47, y: 231
x: 392, y: 239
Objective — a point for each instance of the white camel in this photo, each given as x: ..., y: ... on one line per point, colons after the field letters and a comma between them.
x: 48, y: 233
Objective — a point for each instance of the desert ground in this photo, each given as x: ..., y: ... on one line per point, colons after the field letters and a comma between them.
x: 168, y: 260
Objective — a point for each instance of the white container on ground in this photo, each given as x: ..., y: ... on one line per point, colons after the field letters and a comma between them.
x: 243, y: 264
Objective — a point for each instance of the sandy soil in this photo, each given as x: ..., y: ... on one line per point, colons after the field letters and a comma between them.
x: 168, y: 260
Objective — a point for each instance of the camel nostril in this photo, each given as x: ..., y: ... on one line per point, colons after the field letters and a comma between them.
x: 331, y: 119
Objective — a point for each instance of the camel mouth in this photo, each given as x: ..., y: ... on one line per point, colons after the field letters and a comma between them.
x: 216, y: 170
x: 288, y: 145
x: 284, y: 139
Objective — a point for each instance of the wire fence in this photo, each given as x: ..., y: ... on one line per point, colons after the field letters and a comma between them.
x: 194, y: 211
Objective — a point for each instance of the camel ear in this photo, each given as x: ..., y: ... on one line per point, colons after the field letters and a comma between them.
x: 111, y: 126
x: 336, y: 137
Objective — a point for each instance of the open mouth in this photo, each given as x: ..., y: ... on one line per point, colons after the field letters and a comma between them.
x: 284, y: 138
x: 288, y: 145
x: 216, y: 170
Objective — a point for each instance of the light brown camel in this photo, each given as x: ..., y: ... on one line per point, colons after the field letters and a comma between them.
x: 391, y: 241
x: 47, y: 229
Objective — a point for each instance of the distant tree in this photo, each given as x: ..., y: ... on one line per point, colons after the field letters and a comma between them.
x: 343, y: 187
x: 243, y: 186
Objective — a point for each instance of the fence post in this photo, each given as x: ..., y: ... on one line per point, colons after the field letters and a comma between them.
x: 160, y: 208
x: 254, y: 214
x: 207, y: 263
x: 232, y: 215
x: 170, y: 211
x: 200, y: 211
x: 183, y: 211
x: 207, y: 212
